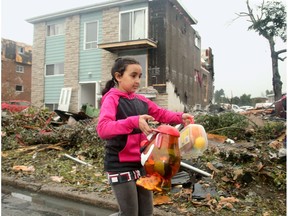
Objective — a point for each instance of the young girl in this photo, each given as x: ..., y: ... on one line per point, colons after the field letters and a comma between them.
x: 123, y: 124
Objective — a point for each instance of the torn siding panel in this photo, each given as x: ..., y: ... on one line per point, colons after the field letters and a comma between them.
x: 20, y: 52
x: 24, y: 54
x: 9, y: 49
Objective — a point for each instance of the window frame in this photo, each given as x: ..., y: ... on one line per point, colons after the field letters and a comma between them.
x: 197, y: 41
x: 55, y: 64
x: 19, y: 71
x: 56, y: 30
x: 20, y: 50
x: 51, y: 106
x: 85, y: 34
x: 21, y: 86
x: 132, y: 31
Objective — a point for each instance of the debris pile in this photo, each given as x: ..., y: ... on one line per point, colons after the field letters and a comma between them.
x: 246, y: 157
x: 35, y: 130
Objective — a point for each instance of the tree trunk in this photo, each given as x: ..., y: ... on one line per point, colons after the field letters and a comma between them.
x: 276, y: 79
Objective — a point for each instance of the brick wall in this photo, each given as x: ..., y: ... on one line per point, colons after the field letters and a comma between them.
x: 162, y: 100
x: 37, y: 83
x: 71, y: 64
x: 10, y: 78
x: 111, y: 32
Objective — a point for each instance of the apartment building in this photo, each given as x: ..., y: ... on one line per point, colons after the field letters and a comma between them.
x: 73, y: 52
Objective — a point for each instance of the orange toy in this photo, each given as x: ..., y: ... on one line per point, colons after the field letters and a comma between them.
x: 160, y: 158
x: 192, y: 141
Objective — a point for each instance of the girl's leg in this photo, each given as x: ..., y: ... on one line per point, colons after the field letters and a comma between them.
x: 145, y: 200
x: 127, y: 198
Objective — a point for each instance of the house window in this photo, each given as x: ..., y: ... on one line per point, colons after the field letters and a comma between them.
x: 19, y: 88
x: 91, y: 35
x: 55, y: 69
x: 55, y: 29
x: 133, y: 25
x: 19, y: 69
x: 51, y: 107
x: 20, y: 50
x: 197, y: 41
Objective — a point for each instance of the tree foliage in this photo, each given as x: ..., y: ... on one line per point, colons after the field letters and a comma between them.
x: 269, y: 92
x: 269, y: 21
x: 245, y: 99
x: 272, y: 22
x: 218, y: 95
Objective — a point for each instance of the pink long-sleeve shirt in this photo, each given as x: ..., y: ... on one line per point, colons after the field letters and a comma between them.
x: 119, y: 125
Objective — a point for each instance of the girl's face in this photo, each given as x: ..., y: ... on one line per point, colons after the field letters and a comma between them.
x: 130, y: 80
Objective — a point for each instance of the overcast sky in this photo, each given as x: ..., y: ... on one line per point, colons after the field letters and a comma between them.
x: 242, y: 60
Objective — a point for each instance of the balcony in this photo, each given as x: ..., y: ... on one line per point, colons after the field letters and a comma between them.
x: 128, y: 45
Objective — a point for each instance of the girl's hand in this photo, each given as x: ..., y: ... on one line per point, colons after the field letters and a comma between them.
x: 187, y: 119
x: 143, y: 125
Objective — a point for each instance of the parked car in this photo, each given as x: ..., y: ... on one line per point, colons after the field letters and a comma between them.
x: 231, y: 107
x: 236, y: 108
x: 15, y: 105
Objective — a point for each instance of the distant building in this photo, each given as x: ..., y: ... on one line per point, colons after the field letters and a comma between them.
x: 207, y: 71
x: 258, y: 100
x: 16, y: 66
x: 75, y: 49
x: 270, y: 98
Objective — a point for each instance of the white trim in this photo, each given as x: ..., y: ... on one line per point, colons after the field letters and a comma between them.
x: 133, y: 10
x: 45, y: 70
x: 87, y: 82
x: 61, y: 24
x: 22, y: 88
x: 54, y: 75
x: 20, y: 66
x: 84, y: 37
x: 97, y: 93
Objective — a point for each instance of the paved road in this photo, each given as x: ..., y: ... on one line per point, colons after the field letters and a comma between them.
x: 23, y: 204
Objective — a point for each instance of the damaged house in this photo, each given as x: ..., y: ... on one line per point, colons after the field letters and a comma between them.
x: 73, y: 52
x: 16, y: 61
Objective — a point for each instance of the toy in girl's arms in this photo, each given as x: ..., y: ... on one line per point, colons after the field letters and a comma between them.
x: 161, y: 155
x: 192, y: 141
x: 160, y: 158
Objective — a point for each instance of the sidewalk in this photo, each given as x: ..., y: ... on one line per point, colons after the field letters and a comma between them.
x: 100, y: 200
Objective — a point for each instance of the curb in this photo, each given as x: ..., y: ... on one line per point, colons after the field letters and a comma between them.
x: 106, y: 201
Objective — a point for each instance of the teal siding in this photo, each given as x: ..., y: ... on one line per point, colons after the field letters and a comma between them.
x: 90, y: 60
x: 133, y: 6
x: 55, y: 53
x: 55, y: 49
x: 55, y: 21
x: 53, y: 86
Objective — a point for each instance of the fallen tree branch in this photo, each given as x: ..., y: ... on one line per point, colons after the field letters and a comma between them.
x: 41, y: 147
